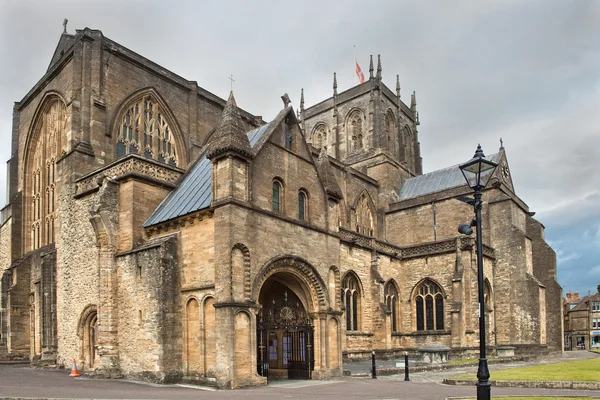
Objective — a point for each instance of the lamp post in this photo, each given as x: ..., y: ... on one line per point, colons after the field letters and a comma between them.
x: 477, y: 173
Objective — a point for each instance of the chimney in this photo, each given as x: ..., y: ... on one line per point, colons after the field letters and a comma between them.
x: 598, y: 288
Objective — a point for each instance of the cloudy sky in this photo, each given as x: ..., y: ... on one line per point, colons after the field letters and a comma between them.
x: 526, y: 71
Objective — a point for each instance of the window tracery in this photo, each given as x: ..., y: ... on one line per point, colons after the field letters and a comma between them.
x: 144, y: 130
x: 350, y: 299
x: 319, y: 139
x: 391, y: 301
x: 356, y: 130
x: 364, y: 217
x: 49, y: 139
x: 429, y: 303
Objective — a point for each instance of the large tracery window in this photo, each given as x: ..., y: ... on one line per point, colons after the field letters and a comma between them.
x: 350, y: 298
x: 48, y: 141
x: 391, y: 302
x: 429, y: 303
x: 145, y: 131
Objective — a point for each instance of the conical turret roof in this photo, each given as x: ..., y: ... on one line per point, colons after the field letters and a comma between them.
x: 230, y: 135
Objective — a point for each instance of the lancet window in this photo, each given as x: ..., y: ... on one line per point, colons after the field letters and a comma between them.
x: 390, y: 127
x: 144, y: 130
x: 429, y: 303
x: 302, y: 205
x: 277, y: 203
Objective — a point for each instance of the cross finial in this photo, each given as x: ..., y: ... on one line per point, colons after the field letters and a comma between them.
x: 501, y: 144
x: 65, y: 25
x: 231, y: 83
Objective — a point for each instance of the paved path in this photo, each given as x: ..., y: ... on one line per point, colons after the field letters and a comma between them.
x: 24, y: 382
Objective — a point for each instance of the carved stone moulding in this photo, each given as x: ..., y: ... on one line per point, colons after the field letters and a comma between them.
x: 134, y: 165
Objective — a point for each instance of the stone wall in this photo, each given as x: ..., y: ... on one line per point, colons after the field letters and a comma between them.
x: 77, y: 275
x: 5, y: 246
x: 150, y: 313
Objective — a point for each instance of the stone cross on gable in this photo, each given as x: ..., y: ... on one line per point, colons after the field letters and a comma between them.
x: 65, y: 25
x: 231, y: 82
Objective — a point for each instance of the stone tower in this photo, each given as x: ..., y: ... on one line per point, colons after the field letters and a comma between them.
x: 369, y: 128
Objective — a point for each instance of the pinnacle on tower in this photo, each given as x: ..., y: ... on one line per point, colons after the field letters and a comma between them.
x: 398, y: 86
x: 334, y: 84
x: 229, y: 135
x: 413, y: 101
x: 371, y: 68
x: 302, y: 99
x: 379, y: 66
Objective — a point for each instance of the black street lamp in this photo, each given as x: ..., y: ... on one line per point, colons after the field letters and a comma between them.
x: 478, y: 172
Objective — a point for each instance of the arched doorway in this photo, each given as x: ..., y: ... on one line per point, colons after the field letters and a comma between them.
x: 285, y: 334
x: 88, y: 334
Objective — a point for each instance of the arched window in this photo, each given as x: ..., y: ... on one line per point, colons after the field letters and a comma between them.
x: 408, y: 144
x: 319, y: 138
x: 364, y: 216
x: 145, y: 131
x: 487, y: 294
x: 429, y: 303
x: 48, y: 141
x: 391, y: 302
x: 350, y: 298
x: 277, y: 204
x: 355, y: 122
x: 390, y: 127
x: 302, y: 205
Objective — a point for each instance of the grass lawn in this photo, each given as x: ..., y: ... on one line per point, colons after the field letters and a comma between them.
x: 595, y: 351
x: 582, y: 371
x: 538, y: 398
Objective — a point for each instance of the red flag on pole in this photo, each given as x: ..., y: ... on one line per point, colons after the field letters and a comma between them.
x: 361, y: 76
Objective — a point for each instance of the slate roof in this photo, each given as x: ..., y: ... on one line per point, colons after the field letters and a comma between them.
x: 195, y: 190
x: 436, y: 181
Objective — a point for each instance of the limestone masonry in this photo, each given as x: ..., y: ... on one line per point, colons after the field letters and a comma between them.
x: 156, y: 231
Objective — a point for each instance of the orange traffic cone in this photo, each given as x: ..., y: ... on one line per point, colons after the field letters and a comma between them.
x: 74, y: 369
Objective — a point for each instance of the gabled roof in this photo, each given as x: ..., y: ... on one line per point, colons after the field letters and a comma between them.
x: 194, y: 193
x: 437, y: 181
x: 66, y: 40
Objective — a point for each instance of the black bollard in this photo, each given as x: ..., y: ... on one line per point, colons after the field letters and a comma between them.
x: 374, y: 373
x: 406, y: 366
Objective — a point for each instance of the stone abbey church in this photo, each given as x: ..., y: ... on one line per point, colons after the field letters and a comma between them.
x: 156, y: 231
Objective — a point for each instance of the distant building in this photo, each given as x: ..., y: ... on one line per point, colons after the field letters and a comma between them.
x: 582, y: 321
